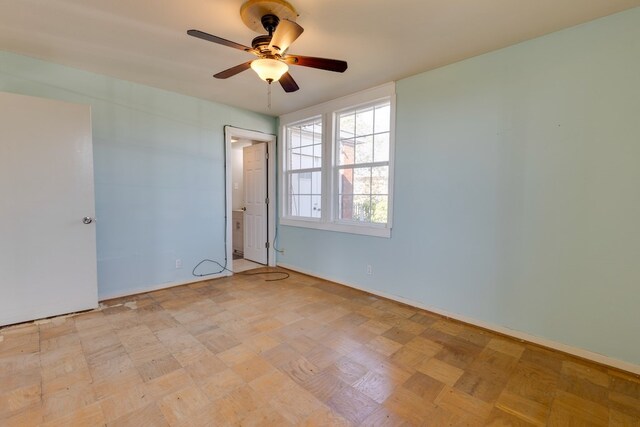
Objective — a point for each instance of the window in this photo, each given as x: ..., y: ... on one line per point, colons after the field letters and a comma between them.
x: 362, y: 143
x: 337, y: 165
x: 303, y: 171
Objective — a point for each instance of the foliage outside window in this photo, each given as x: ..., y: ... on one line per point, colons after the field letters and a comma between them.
x: 363, y: 163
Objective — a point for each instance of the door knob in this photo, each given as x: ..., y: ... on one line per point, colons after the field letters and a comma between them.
x: 244, y: 209
x: 88, y: 220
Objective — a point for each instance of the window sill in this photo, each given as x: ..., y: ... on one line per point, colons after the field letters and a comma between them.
x: 365, y: 230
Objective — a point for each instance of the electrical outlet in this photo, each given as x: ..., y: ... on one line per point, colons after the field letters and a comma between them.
x: 369, y: 270
x: 178, y: 263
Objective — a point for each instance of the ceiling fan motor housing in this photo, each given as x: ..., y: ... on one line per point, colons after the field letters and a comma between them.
x: 261, y: 43
x: 270, y: 22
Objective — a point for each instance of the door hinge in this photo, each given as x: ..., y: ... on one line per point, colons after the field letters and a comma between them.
x: 266, y: 245
x: 266, y: 200
x: 267, y: 155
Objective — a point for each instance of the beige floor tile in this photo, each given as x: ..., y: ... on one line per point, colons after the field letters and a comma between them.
x: 70, y: 399
x: 18, y: 399
x: 179, y: 406
x: 167, y: 384
x: 219, y: 385
x: 126, y: 401
x: 90, y: 415
x: 266, y: 416
x: 252, y: 368
x: 147, y: 416
x: 440, y: 371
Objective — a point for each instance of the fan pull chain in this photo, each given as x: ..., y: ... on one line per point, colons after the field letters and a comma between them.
x: 269, y: 96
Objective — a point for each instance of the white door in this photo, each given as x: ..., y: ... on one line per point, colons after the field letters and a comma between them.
x: 47, y: 253
x: 255, y: 202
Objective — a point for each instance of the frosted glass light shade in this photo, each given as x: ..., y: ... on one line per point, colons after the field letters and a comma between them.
x: 269, y: 70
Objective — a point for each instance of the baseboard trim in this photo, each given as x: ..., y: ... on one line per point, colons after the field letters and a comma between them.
x: 151, y: 288
x: 519, y: 335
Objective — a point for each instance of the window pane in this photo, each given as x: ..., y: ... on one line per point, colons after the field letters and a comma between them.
x: 305, y: 205
x: 305, y: 146
x: 294, y: 159
x: 345, y: 185
x: 306, y: 162
x: 307, y: 157
x: 300, y: 183
x: 361, y: 208
x: 316, y: 183
x: 305, y: 183
x: 379, y: 208
x: 294, y: 187
x: 306, y: 138
x: 381, y: 148
x: 383, y: 118
x: 347, y: 152
x: 316, y: 205
x: 307, y: 130
x: 305, y: 194
x: 347, y: 125
x: 356, y: 181
x: 345, y: 206
x: 380, y: 180
x: 362, y: 181
x: 364, y: 149
x: 364, y: 122
x: 294, y: 137
x: 294, y: 204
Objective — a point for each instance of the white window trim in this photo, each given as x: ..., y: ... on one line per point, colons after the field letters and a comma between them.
x: 328, y: 110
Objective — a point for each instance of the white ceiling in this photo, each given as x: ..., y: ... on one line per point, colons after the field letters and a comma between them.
x: 145, y: 41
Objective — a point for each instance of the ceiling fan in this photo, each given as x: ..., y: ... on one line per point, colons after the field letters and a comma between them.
x: 277, y: 18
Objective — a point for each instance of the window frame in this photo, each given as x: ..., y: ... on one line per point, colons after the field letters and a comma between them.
x: 285, y: 173
x: 336, y: 166
x: 329, y: 219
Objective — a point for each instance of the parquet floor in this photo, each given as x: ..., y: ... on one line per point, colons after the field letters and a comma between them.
x: 303, y: 351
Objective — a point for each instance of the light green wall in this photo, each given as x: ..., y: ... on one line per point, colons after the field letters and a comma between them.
x: 159, y: 171
x: 517, y: 192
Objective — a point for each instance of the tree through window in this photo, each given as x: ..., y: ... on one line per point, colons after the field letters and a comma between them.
x: 363, y: 163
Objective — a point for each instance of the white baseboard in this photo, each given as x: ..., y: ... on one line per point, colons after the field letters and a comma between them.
x: 150, y: 288
x: 523, y: 336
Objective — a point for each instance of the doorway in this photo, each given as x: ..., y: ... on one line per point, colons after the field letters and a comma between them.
x: 250, y: 198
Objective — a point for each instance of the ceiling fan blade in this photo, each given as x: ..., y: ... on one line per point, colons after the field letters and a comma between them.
x: 233, y: 71
x: 224, y: 42
x: 286, y: 33
x: 288, y: 84
x: 322, y: 63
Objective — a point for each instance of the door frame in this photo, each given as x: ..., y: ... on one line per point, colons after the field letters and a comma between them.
x: 270, y: 140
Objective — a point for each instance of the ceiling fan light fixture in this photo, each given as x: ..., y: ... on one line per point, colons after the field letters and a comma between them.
x: 269, y: 70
